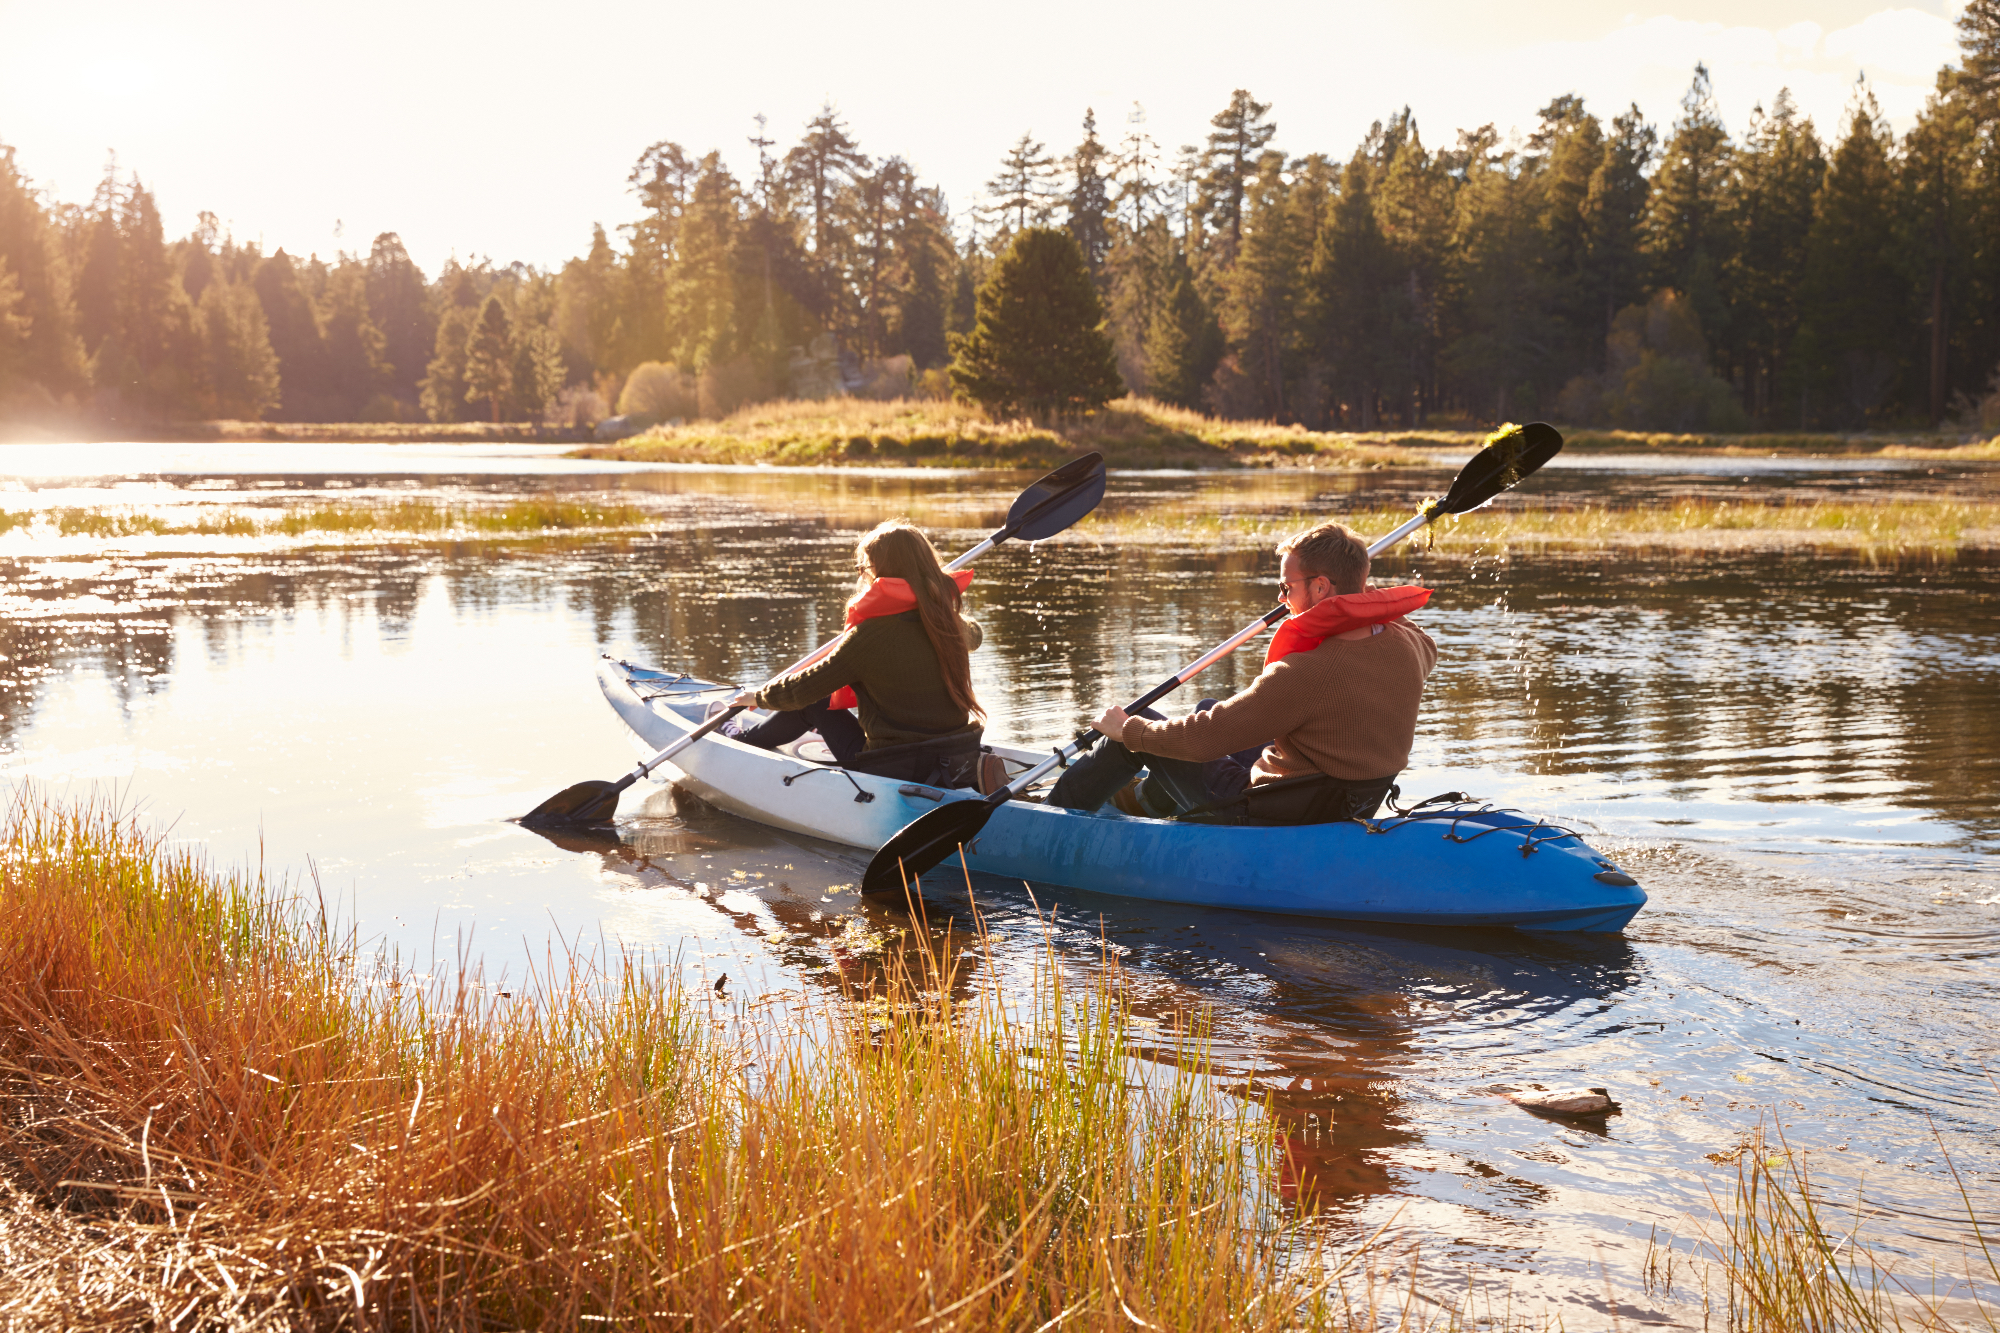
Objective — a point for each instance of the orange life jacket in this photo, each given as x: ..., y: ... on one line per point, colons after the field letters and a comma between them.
x: 885, y: 597
x: 1341, y: 613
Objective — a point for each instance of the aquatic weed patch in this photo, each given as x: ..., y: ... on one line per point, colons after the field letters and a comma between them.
x: 1918, y: 527
x: 387, y: 519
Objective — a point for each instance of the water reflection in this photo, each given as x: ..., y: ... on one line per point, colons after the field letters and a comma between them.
x: 1800, y: 759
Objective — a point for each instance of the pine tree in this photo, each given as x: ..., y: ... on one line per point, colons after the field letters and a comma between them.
x: 1089, y: 201
x: 1685, y: 238
x: 1977, y: 79
x: 295, y: 337
x: 1347, y: 297
x: 1039, y: 343
x: 399, y: 306
x: 1023, y: 187
x: 1563, y: 156
x: 702, y: 297
x: 1136, y: 170
x: 489, y: 360
x: 1767, y: 204
x: 50, y: 364
x: 1937, y: 237
x: 1241, y: 132
x: 15, y: 325
x: 1413, y: 208
x: 443, y: 396
x: 1853, y: 304
x: 1509, y: 276
x: 242, y: 370
x: 357, y: 370
x: 823, y: 168
x: 1614, y: 221
x: 1183, y: 343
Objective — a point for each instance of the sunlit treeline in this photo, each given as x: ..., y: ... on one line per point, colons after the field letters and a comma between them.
x: 1597, y: 270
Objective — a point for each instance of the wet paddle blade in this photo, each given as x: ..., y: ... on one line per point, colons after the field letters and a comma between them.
x: 1058, y: 500
x: 923, y: 844
x: 585, y: 803
x: 1501, y: 465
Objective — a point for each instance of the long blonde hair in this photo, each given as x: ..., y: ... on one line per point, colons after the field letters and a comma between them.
x: 897, y: 550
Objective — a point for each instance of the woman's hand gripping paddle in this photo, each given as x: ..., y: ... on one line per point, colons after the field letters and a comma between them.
x: 925, y: 842
x: 1044, y: 509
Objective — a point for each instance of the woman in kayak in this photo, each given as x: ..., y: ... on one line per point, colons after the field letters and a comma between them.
x: 903, y: 660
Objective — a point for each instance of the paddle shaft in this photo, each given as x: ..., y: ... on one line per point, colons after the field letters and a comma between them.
x: 1090, y: 735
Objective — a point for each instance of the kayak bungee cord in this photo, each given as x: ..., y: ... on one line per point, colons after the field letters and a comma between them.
x: 1042, y: 510
x: 1512, y: 454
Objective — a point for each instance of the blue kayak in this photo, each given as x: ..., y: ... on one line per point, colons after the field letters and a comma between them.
x: 1455, y: 863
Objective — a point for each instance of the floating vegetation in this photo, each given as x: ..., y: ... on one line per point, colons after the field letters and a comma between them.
x: 401, y: 517
x: 1913, y: 526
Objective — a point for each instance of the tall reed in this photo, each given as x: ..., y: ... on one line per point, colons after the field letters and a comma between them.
x: 1778, y: 1255
x: 214, y: 1117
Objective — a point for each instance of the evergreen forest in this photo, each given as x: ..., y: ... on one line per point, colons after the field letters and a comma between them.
x: 1595, y: 269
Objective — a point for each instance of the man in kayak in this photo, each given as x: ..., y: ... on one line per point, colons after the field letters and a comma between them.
x: 903, y: 661
x: 1331, y: 717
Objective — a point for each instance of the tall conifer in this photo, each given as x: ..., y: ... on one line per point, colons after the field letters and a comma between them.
x: 1039, y: 344
x: 489, y: 359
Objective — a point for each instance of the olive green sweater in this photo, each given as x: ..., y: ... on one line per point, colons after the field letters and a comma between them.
x: 890, y: 661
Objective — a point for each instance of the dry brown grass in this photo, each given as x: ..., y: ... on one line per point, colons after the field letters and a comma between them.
x: 1132, y: 432
x: 211, y: 1119
x: 1918, y: 527
x: 393, y: 518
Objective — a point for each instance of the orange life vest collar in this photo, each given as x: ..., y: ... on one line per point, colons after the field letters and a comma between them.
x: 1341, y: 613
x: 890, y: 597
x: 885, y: 597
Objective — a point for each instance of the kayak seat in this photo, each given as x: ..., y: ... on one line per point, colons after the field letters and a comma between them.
x: 1312, y: 798
x: 948, y: 761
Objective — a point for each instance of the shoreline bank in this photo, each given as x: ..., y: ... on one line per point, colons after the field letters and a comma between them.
x: 1131, y: 433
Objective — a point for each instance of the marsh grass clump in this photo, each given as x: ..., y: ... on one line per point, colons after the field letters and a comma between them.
x: 397, y: 518
x: 213, y: 1117
x: 1917, y: 527
x: 1779, y: 1255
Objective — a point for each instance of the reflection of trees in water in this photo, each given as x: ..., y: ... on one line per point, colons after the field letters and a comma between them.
x: 1837, y: 682
x: 1786, y: 677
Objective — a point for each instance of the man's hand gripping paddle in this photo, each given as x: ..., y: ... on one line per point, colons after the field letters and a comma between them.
x: 927, y: 840
x: 1044, y: 509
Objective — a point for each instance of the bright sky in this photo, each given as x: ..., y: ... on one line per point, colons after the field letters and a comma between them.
x: 505, y: 129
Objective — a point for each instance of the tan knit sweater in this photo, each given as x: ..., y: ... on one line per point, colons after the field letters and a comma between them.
x: 1347, y: 708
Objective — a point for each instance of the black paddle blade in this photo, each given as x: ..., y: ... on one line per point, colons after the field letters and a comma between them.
x: 1501, y: 465
x: 1058, y: 500
x: 585, y: 803
x: 923, y: 844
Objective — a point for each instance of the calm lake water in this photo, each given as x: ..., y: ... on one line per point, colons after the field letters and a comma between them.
x: 1800, y: 758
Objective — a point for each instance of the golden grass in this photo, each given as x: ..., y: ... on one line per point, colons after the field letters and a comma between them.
x: 1138, y: 433
x: 211, y: 1118
x: 1131, y: 432
x: 1919, y: 526
x: 417, y: 517
x: 1778, y: 1255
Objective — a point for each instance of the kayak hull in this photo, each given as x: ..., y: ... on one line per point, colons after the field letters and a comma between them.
x: 1460, y: 865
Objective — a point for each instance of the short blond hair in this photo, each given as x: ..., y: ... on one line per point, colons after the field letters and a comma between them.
x: 1333, y: 551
